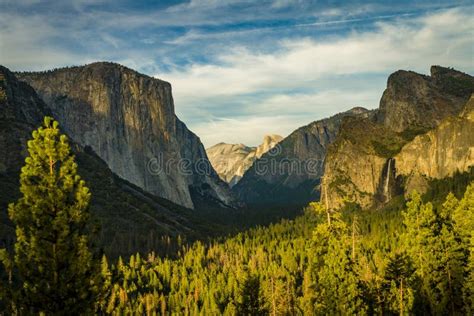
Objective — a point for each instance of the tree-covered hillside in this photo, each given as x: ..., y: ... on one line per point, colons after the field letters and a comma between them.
x: 417, y: 261
x: 412, y: 257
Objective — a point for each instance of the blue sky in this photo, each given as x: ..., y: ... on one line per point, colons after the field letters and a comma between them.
x: 241, y: 69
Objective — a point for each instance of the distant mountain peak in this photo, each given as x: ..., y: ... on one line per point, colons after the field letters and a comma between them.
x: 231, y: 161
x: 358, y: 110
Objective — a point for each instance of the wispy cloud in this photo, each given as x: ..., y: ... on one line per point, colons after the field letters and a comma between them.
x: 307, y: 64
x: 413, y: 44
x: 240, y: 69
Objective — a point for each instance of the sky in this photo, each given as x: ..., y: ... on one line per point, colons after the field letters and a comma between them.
x: 241, y: 69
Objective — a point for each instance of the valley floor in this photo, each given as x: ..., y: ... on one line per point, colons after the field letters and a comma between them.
x: 360, y: 262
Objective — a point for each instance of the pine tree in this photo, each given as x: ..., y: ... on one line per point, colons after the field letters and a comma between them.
x: 420, y: 222
x: 338, y: 288
x: 55, y: 269
x: 251, y: 299
x: 399, y: 281
x: 106, y: 290
x: 463, y: 217
x: 434, y: 244
x: 338, y: 283
x: 468, y: 289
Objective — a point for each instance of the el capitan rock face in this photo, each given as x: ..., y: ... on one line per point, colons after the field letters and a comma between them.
x: 231, y: 161
x: 128, y: 119
x: 290, y: 173
x: 129, y: 218
x: 371, y: 159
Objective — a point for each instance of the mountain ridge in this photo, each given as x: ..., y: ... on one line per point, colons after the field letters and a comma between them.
x: 128, y: 119
x: 128, y: 219
x: 362, y: 165
x: 284, y: 178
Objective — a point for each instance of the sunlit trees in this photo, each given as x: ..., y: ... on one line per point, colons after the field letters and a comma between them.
x: 399, y: 284
x: 251, y: 300
x: 338, y: 286
x: 326, y: 262
x: 54, y: 269
x: 438, y: 243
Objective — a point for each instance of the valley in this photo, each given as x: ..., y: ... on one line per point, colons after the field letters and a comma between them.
x: 318, y: 222
x: 236, y: 158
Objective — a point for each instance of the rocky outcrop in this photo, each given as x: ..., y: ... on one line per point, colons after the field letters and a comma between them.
x: 290, y: 173
x: 128, y: 218
x: 372, y: 161
x: 231, y: 161
x: 269, y: 141
x: 416, y: 102
x: 440, y: 153
x: 358, y: 167
x: 128, y: 119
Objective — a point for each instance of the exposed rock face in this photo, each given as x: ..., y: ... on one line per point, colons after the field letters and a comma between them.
x: 367, y: 163
x: 356, y: 169
x: 128, y: 119
x: 231, y: 161
x: 440, y: 152
x: 418, y: 102
x: 269, y: 141
x: 291, y: 171
x: 130, y: 219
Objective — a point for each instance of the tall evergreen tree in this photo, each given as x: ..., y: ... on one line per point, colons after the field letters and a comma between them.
x: 435, y: 247
x: 55, y: 268
x: 338, y: 288
x: 463, y: 217
x: 251, y: 299
x: 399, y: 281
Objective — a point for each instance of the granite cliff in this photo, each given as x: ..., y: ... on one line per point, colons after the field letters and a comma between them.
x: 439, y: 153
x: 129, y: 219
x: 416, y: 134
x: 231, y: 161
x: 290, y: 173
x: 128, y: 119
x: 419, y: 103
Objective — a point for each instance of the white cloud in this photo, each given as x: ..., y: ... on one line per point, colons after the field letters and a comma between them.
x: 300, y: 63
x: 279, y: 4
x: 22, y: 44
x: 320, y: 104
x: 277, y: 114
x: 248, y: 130
x: 444, y: 38
x: 298, y: 81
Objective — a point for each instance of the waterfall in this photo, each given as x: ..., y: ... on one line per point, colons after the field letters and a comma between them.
x: 386, y: 191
